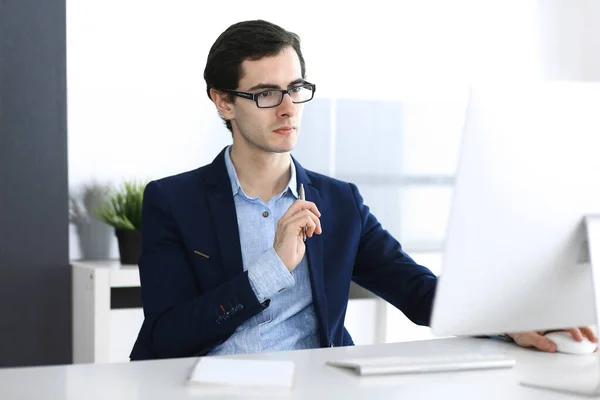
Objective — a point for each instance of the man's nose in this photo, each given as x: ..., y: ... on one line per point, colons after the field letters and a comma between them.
x: 287, y: 108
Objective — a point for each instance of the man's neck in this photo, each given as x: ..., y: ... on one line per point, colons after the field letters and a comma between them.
x: 261, y: 174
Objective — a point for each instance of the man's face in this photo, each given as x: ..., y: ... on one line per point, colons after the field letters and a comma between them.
x: 276, y: 129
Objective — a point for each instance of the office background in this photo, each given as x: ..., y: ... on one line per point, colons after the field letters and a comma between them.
x: 392, y: 91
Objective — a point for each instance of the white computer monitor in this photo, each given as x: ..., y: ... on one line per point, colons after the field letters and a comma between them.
x: 515, y: 257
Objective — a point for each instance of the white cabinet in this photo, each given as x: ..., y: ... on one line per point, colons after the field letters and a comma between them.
x: 107, y: 312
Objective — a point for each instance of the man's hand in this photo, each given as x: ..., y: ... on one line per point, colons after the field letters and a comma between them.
x: 537, y: 339
x: 289, y: 242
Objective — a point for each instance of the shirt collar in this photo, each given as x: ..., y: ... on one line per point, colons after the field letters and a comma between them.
x: 236, y: 187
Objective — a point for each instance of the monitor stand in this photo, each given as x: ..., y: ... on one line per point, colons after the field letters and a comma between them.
x: 569, y: 382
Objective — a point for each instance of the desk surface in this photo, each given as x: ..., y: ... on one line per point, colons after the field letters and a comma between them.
x: 166, y: 379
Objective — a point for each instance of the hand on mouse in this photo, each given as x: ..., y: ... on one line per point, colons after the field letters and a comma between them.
x: 537, y: 339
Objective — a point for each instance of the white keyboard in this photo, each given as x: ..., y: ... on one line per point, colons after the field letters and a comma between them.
x: 411, y: 365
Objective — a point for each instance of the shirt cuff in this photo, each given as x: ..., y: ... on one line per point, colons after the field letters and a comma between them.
x: 269, y: 275
x: 502, y: 336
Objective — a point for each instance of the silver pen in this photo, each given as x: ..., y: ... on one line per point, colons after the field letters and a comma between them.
x: 302, y: 196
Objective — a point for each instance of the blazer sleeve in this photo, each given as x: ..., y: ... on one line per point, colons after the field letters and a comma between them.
x: 382, y: 267
x: 180, y: 322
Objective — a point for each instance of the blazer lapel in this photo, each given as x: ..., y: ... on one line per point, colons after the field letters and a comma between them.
x: 314, y: 250
x: 222, y: 210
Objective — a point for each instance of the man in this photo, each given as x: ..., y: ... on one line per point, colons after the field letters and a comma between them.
x: 225, y: 267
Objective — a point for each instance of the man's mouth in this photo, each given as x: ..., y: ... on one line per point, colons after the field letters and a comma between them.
x: 285, y: 130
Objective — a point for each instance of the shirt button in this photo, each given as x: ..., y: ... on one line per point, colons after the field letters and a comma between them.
x: 265, y: 214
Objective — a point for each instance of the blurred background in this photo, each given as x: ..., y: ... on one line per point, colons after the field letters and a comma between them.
x: 392, y: 80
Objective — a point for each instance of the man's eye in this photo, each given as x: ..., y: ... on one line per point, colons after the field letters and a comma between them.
x: 266, y: 94
x: 296, y: 89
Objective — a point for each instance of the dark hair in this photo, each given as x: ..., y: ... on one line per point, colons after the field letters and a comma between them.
x: 248, y: 40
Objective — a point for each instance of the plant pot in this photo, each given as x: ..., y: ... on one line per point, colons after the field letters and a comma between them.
x: 94, y: 239
x: 130, y: 245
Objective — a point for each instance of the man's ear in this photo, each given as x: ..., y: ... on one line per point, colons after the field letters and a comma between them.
x: 221, y: 100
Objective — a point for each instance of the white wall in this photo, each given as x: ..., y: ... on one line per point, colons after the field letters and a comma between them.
x: 571, y: 39
x: 138, y: 108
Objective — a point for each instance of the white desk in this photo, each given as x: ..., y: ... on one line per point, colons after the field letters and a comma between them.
x: 166, y: 379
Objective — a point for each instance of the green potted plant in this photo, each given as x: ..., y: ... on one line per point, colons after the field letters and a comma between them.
x: 123, y: 211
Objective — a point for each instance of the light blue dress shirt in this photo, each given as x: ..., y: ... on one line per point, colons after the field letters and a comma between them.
x: 289, y: 323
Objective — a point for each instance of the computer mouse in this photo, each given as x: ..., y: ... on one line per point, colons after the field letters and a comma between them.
x: 565, y: 343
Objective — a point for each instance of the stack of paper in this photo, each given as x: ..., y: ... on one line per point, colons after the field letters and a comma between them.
x: 221, y: 373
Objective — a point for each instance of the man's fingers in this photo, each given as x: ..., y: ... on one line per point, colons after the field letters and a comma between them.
x: 312, y: 226
x: 542, y: 343
x: 588, y: 333
x: 304, y: 218
x: 303, y: 205
x: 533, y: 339
x: 315, y: 224
x: 299, y: 209
x: 576, y: 334
x: 307, y: 219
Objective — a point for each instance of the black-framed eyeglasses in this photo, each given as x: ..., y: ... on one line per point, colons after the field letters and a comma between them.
x: 273, y: 97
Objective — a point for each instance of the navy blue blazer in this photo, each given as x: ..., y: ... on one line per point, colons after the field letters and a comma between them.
x: 195, y: 292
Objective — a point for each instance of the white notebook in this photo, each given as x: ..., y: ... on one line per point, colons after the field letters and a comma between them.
x: 243, y: 373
